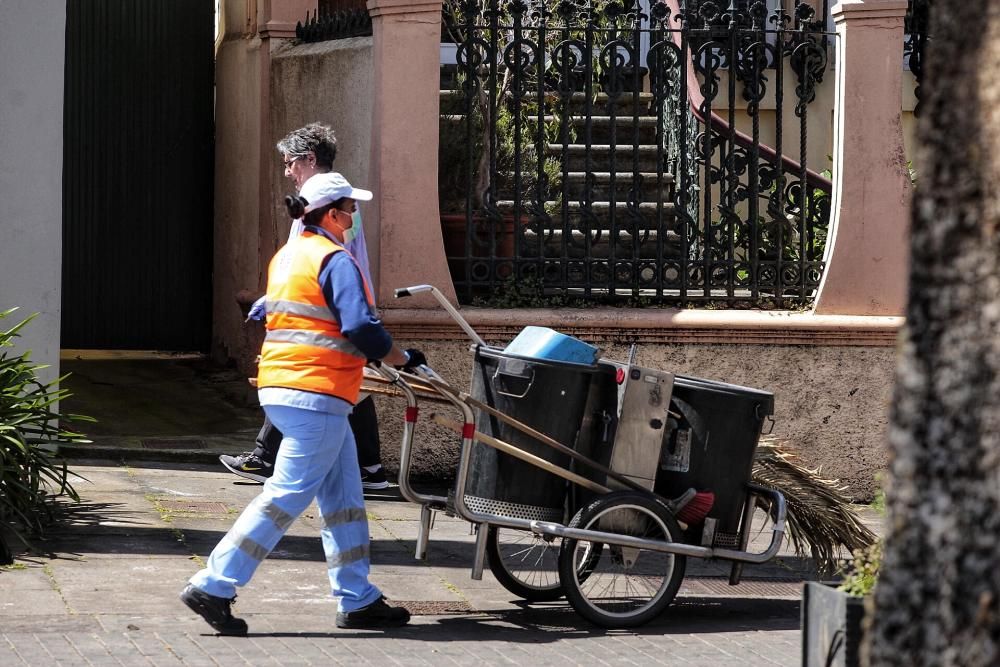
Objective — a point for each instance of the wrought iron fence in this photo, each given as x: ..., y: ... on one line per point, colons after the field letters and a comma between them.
x: 616, y: 152
x: 335, y: 19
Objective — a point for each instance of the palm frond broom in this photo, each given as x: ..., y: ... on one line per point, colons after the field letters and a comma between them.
x: 820, y: 518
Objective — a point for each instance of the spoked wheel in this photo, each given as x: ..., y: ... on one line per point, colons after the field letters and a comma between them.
x: 621, y: 587
x: 524, y: 563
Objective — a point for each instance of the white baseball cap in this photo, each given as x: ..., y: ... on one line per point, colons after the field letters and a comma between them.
x: 323, y: 189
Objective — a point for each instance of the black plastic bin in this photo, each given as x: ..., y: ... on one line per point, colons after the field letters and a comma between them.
x: 709, y: 445
x: 550, y: 397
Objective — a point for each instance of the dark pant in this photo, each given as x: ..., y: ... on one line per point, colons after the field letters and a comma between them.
x: 364, y: 424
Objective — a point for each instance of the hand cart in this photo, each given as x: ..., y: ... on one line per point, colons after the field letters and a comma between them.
x: 594, y: 481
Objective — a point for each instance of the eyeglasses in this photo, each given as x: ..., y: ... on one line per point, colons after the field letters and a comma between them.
x: 288, y: 163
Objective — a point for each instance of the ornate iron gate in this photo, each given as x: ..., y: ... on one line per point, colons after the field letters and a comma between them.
x: 614, y: 152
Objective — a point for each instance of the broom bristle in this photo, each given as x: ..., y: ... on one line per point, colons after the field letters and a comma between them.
x: 821, y: 522
x: 695, y: 511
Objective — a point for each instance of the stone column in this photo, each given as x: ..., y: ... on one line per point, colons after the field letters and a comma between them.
x: 867, y: 253
x: 278, y: 17
x: 32, y: 67
x: 409, y: 248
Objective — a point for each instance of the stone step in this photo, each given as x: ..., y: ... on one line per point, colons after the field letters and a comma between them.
x: 601, y: 245
x: 628, y: 129
x: 452, y: 101
x: 600, y: 209
x: 549, y: 243
x: 575, y: 186
x: 626, y: 157
x: 627, y: 120
x: 603, y: 237
x: 604, y: 177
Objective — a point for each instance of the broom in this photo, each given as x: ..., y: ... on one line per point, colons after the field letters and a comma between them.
x: 820, y: 518
x: 693, y: 506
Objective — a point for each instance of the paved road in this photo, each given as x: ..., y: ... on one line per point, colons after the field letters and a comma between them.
x: 108, y: 595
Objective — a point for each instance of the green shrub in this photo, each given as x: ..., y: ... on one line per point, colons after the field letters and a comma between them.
x: 862, y: 573
x: 32, y: 476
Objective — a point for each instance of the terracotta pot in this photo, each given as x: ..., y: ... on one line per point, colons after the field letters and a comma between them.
x: 454, y: 229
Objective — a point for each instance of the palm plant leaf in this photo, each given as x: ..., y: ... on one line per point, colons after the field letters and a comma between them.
x: 31, y: 478
x: 820, y: 519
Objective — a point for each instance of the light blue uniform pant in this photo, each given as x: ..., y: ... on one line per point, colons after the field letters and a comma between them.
x: 317, y: 459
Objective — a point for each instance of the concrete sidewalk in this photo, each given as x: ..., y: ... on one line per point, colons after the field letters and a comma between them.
x: 156, y: 501
x: 108, y: 594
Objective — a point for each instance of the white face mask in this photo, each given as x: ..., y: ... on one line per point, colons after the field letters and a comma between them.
x: 352, y: 233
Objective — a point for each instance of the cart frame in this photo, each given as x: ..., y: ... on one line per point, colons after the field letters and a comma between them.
x: 428, y: 384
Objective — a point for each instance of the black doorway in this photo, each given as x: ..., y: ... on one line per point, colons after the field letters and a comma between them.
x: 137, y: 174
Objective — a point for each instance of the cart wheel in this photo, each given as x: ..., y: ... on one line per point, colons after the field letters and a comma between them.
x: 621, y: 587
x: 524, y: 563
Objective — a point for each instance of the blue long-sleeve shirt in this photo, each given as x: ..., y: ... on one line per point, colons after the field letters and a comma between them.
x: 340, y: 280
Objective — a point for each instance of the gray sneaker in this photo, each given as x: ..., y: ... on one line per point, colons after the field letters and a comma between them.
x: 248, y: 465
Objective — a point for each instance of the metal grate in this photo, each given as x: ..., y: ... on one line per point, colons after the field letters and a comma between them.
x: 434, y: 607
x: 724, y: 540
x: 512, y: 510
x: 194, y: 507
x: 719, y: 587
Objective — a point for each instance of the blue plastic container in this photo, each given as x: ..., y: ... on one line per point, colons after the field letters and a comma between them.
x: 544, y: 343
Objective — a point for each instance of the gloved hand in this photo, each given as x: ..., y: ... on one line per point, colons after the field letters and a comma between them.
x: 414, y: 358
x: 257, y: 310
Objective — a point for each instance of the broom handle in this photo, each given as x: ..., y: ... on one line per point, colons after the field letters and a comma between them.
x: 418, y: 384
x: 558, y: 446
x: 508, y: 448
x: 546, y: 440
x: 395, y: 393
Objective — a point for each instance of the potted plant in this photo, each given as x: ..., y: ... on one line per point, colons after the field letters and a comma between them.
x: 821, y: 524
x: 832, y: 614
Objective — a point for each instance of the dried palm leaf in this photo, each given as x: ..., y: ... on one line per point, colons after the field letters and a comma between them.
x: 820, y: 517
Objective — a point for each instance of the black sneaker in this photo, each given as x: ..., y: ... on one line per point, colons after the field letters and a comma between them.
x: 248, y: 465
x: 215, y: 610
x: 376, y: 615
x: 373, y: 481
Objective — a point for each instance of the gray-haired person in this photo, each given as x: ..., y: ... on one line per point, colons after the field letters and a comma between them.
x: 305, y: 152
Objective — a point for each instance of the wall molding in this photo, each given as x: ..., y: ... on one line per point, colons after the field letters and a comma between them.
x: 654, y: 326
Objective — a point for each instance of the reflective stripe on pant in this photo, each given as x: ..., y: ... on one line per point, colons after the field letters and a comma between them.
x: 317, y: 459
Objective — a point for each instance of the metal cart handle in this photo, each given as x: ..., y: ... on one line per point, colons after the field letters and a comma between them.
x: 417, y: 289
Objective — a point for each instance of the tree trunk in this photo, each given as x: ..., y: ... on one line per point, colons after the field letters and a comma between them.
x: 937, y: 601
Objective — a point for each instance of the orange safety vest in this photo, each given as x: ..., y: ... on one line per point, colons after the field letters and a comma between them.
x: 304, y: 347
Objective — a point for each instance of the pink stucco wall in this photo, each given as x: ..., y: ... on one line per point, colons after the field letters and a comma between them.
x: 867, y: 251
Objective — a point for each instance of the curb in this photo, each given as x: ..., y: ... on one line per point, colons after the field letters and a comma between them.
x: 207, y: 454
x: 118, y: 453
